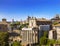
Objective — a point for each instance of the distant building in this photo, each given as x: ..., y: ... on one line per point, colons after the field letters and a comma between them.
x: 56, y: 18
x: 44, y: 27
x: 28, y: 19
x: 55, y: 32
x: 52, y: 34
x: 40, y: 24
x: 25, y: 21
x: 32, y: 22
x: 29, y: 36
x: 4, y: 25
x: 37, y: 22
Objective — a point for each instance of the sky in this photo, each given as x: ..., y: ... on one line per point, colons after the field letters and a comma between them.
x: 20, y: 9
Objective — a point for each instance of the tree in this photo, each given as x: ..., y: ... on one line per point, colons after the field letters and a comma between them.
x: 15, y: 25
x: 24, y: 25
x: 16, y: 43
x: 4, y: 38
x: 51, y: 42
x: 45, y: 34
x: 43, y: 39
x: 54, y: 23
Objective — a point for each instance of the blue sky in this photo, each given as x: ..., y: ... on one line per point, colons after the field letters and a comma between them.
x: 20, y: 9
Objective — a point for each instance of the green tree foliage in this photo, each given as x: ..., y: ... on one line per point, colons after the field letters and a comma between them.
x: 51, y: 42
x: 4, y: 38
x: 16, y: 43
x: 24, y: 25
x: 15, y: 25
x: 55, y: 23
x: 45, y: 34
x: 43, y: 39
x: 48, y: 42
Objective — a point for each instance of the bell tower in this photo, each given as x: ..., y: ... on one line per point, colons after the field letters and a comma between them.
x: 32, y: 22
